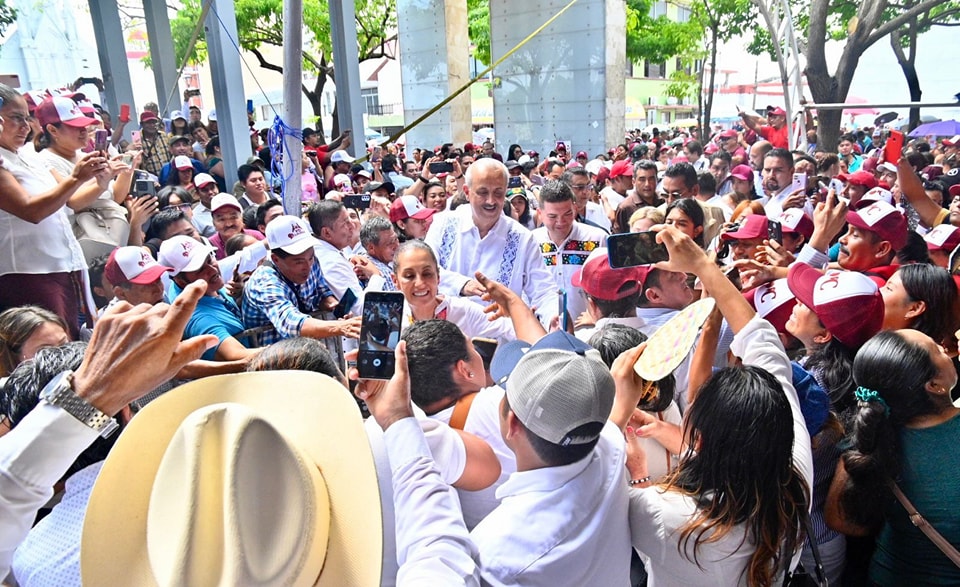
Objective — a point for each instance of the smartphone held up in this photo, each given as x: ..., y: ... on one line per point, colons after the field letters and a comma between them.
x: 635, y: 248
x: 379, y: 334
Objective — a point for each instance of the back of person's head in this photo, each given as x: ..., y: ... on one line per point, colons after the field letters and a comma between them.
x: 833, y: 364
x: 95, y: 268
x: 556, y: 192
x: 935, y: 287
x: 740, y: 211
x: 21, y: 394
x: 434, y: 347
x: 742, y: 474
x: 236, y: 243
x: 297, y: 354
x: 612, y: 340
x: 16, y: 326
x: 892, y: 374
x: 707, y: 183
x: 212, y: 145
x: 694, y: 147
x: 915, y: 251
x: 683, y: 171
x: 827, y: 162
x: 324, y: 214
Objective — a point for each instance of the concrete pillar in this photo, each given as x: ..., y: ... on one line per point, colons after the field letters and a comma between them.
x: 162, y: 57
x: 112, y: 54
x: 346, y: 64
x: 567, y: 83
x: 435, y: 62
x: 228, y: 93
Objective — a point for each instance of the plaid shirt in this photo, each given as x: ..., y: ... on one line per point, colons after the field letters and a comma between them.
x: 270, y: 299
x: 156, y: 154
x: 386, y: 272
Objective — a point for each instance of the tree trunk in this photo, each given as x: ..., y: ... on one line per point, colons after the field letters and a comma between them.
x: 315, y: 97
x: 824, y: 90
x: 908, y: 63
x: 707, y: 130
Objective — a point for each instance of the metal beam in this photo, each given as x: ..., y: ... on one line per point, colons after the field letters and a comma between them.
x: 292, y: 103
x: 163, y: 59
x: 112, y: 54
x: 841, y: 106
x: 221, y: 31
x: 346, y: 64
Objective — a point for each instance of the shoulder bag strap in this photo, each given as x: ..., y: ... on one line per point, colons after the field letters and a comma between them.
x: 459, y: 417
x: 920, y: 522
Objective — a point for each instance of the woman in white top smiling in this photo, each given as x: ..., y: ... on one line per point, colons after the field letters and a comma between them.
x: 417, y: 275
x: 41, y: 262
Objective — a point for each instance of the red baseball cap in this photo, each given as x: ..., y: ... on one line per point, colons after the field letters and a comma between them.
x: 409, y: 207
x: 752, y: 226
x: 581, y: 154
x: 869, y: 165
x: 883, y: 219
x: 848, y: 303
x: 729, y: 134
x: 776, y: 111
x: 744, y: 172
x: 861, y: 178
x: 622, y: 167
x: 600, y: 280
x: 148, y: 115
x: 796, y: 221
x: 133, y: 265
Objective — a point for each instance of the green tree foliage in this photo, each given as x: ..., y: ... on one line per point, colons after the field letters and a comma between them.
x: 260, y: 22
x: 8, y: 16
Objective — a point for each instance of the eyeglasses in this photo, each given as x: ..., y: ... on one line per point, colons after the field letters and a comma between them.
x: 582, y: 187
x: 184, y: 206
x: 671, y: 195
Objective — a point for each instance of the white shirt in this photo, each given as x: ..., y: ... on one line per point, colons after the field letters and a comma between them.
x: 483, y: 421
x: 774, y: 206
x: 33, y: 456
x: 433, y: 547
x: 597, y: 215
x: 613, y: 196
x: 449, y: 455
x: 508, y: 254
x: 45, y: 247
x: 561, y: 525
x: 469, y: 317
x: 339, y: 275
x: 720, y: 202
x: 655, y: 516
x: 587, y: 332
x: 565, y: 260
x: 203, y: 220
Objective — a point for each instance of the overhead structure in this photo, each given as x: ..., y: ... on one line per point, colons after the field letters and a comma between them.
x: 779, y: 21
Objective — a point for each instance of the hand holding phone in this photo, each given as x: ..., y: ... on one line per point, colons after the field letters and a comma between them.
x: 635, y: 248
x: 379, y: 334
x: 124, y: 112
x: 799, y: 183
x: 100, y: 140
x: 774, y: 231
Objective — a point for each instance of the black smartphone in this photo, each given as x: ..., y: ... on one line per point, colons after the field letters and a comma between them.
x: 774, y: 231
x: 635, y: 248
x: 514, y: 182
x: 346, y: 302
x: 486, y: 347
x: 441, y: 167
x: 100, y: 140
x: 379, y: 333
x: 144, y: 188
x: 358, y: 201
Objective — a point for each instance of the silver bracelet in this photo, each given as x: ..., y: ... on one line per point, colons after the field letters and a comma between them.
x: 640, y: 481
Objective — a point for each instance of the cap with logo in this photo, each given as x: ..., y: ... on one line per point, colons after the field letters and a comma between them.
x: 599, y: 280
x: 860, y: 178
x: 343, y: 183
x: 177, y: 115
x: 290, y: 234
x: 133, y: 265
x: 148, y: 115
x: 182, y: 162
x: 559, y: 388
x: 773, y: 302
x: 752, y: 226
x: 59, y: 110
x: 877, y: 194
x: 952, y: 141
x: 202, y: 179
x: 184, y: 254
x: 341, y: 156
x: 224, y: 200
x: 943, y: 237
x: 883, y: 219
x: 409, y: 207
x: 848, y: 303
x: 795, y: 220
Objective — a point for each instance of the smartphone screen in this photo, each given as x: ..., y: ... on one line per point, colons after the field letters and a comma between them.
x: 441, y: 167
x: 486, y: 347
x: 346, y: 302
x: 514, y: 182
x: 100, y: 140
x: 379, y: 334
x: 774, y: 231
x: 635, y: 248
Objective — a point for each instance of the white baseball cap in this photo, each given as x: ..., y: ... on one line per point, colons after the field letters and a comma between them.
x: 177, y: 114
x: 59, y: 110
x: 341, y: 157
x: 134, y: 265
x: 202, y: 179
x: 184, y: 254
x: 182, y: 162
x: 221, y: 200
x: 290, y: 234
x: 212, y: 115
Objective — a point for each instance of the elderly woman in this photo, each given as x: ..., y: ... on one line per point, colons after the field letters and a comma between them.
x: 41, y: 261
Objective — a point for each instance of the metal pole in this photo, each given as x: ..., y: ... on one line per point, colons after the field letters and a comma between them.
x: 841, y: 106
x: 161, y: 53
x: 113, y: 57
x: 292, y: 100
x: 346, y: 64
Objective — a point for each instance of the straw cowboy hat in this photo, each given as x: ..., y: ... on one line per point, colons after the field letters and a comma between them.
x: 249, y: 479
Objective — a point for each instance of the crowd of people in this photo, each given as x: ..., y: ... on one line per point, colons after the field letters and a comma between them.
x: 799, y: 432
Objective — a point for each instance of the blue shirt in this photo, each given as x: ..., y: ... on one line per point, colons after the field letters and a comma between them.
x: 217, y: 315
x: 269, y: 299
x: 167, y: 169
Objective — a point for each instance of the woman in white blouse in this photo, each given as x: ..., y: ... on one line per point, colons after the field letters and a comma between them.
x: 41, y: 262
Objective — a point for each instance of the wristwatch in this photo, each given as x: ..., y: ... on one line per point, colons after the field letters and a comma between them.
x: 59, y: 392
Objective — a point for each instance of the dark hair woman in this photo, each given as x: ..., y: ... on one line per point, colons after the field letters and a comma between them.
x: 922, y: 297
x: 687, y: 215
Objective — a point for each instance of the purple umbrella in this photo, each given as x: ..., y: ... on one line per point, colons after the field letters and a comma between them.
x: 944, y: 128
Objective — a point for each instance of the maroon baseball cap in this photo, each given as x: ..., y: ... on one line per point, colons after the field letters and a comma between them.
x: 773, y: 302
x: 622, y: 167
x: 848, y: 303
x: 581, y: 154
x: 598, y: 279
x: 794, y: 220
x: 728, y: 134
x: 882, y: 219
x: 943, y: 237
x: 744, y: 172
x: 148, y: 115
x: 776, y: 111
x: 869, y: 165
x: 132, y: 265
x: 752, y: 226
x: 861, y: 178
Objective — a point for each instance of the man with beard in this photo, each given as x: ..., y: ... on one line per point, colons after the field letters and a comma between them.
x: 778, y: 185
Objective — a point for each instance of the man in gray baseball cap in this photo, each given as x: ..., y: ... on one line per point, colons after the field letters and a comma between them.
x: 562, y: 515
